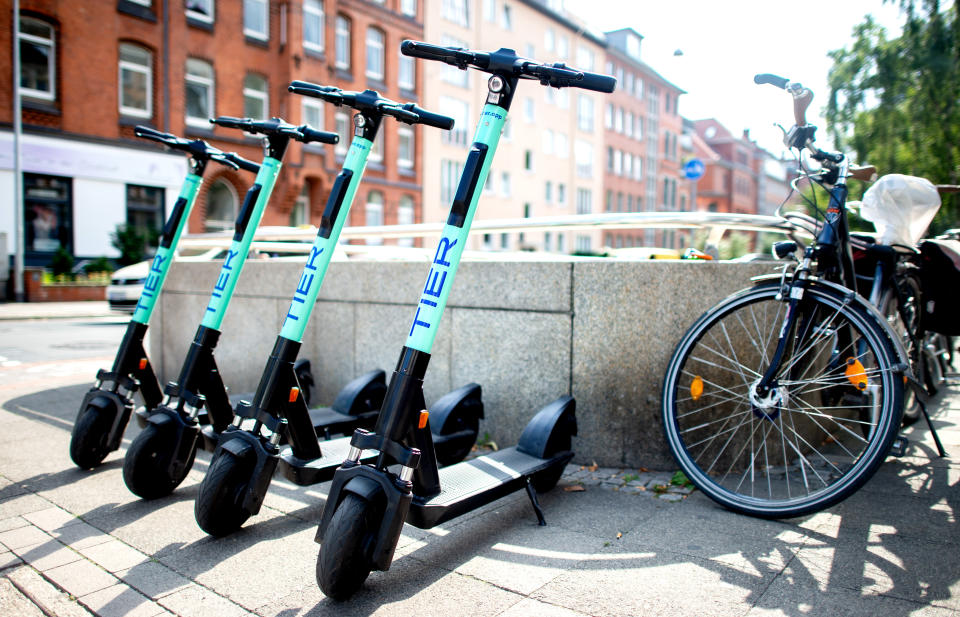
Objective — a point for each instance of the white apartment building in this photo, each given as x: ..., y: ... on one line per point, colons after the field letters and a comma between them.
x: 549, y: 162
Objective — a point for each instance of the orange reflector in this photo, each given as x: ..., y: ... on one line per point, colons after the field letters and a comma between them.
x: 294, y: 393
x: 696, y: 388
x: 856, y: 374
x: 424, y: 415
x: 143, y: 363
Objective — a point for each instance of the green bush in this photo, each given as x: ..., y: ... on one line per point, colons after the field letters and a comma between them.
x: 62, y: 263
x: 100, y: 264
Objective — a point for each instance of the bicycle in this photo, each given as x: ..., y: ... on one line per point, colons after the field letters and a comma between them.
x: 786, y: 397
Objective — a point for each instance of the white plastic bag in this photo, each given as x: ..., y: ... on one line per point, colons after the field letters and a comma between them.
x: 900, y: 207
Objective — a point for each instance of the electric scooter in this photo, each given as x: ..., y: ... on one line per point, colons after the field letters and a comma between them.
x: 368, y: 503
x: 245, y: 459
x: 161, y: 455
x: 107, y: 406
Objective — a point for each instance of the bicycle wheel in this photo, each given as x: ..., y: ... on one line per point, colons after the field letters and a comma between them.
x: 902, y: 309
x: 816, y: 437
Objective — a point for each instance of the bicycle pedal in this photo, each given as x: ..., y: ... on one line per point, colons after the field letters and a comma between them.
x: 899, y: 446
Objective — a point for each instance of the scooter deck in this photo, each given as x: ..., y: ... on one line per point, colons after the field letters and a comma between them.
x: 329, y: 421
x: 471, y: 484
x: 306, y: 473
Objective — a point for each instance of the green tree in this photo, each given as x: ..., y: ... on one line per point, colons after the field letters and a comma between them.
x: 896, y: 102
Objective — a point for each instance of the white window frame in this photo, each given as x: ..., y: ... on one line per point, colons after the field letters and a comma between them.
x: 342, y: 121
x: 264, y: 8
x: 373, y: 214
x: 343, y: 61
x: 405, y: 160
x: 314, y: 8
x: 261, y: 95
x: 378, y: 46
x: 377, y: 149
x: 506, y: 17
x: 408, y: 8
x: 52, y: 67
x: 200, y: 16
x: 406, y: 215
x: 147, y: 71
x: 407, y: 73
x: 456, y: 11
x: 585, y: 112
x: 308, y: 105
x: 210, y: 85
x: 489, y: 10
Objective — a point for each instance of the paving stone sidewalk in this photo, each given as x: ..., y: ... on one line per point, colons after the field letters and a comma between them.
x: 618, y: 542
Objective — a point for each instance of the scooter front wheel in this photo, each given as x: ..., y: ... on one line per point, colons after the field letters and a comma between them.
x: 88, y: 440
x: 219, y: 507
x: 146, y: 467
x: 344, y: 560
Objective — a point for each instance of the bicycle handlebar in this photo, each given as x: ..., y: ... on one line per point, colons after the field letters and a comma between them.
x: 801, y: 96
x: 371, y: 101
x: 506, y: 61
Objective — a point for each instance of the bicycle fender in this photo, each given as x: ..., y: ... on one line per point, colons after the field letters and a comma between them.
x: 854, y: 298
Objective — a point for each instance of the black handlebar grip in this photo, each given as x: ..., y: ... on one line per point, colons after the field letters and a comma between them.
x: 596, y: 82
x: 149, y: 133
x: 768, y: 78
x: 426, y: 51
x: 231, y: 122
x: 431, y: 119
x: 310, y: 135
x: 241, y: 162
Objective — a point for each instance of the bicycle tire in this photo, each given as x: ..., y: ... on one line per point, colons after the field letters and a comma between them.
x: 344, y: 559
x: 816, y: 457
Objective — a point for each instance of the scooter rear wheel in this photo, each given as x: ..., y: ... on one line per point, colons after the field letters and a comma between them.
x: 219, y: 507
x: 88, y: 440
x: 344, y: 560
x: 146, y: 467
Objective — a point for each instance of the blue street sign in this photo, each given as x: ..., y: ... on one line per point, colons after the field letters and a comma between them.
x: 694, y: 169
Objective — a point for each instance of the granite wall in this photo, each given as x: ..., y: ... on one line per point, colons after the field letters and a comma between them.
x: 528, y: 332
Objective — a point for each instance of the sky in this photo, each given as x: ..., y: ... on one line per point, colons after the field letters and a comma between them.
x: 726, y: 42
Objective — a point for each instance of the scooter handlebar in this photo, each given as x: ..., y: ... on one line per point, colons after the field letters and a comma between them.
x: 308, y: 135
x: 241, y: 162
x: 429, y: 118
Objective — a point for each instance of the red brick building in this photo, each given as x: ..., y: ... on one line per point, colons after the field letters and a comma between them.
x: 643, y: 127
x: 731, y: 180
x: 93, y: 70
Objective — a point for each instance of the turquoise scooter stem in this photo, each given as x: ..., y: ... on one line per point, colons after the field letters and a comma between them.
x: 160, y: 265
x: 446, y: 260
x: 305, y: 296
x: 237, y: 254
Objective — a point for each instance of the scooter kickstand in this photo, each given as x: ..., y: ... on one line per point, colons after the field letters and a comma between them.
x: 532, y: 494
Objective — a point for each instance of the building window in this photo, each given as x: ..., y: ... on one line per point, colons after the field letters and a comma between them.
x: 408, y: 7
x: 505, y: 183
x: 201, y: 10
x: 506, y: 17
x: 312, y: 112
x: 459, y: 111
x: 37, y: 59
x: 341, y: 122
x: 405, y: 216
x: 584, y: 59
x: 375, y: 43
x: 560, y: 145
x: 342, y: 61
x: 449, y: 176
x: 583, y: 243
x: 584, y: 201
x: 406, y: 74
x: 528, y: 160
x: 584, y: 158
x: 490, y: 10
x: 145, y: 212
x: 136, y: 81
x: 48, y: 213
x: 528, y: 110
x: 608, y: 117
x: 373, y: 213
x: 256, y: 103
x: 256, y: 19
x: 199, y: 92
x: 221, y: 206
x: 300, y: 215
x: 561, y: 194
x: 548, y: 39
x: 585, y: 112
x: 376, y: 150
x: 405, y: 147
x: 547, y: 141
x: 313, y: 27
x: 504, y: 241
x: 451, y: 74
x: 457, y: 12
x: 563, y: 50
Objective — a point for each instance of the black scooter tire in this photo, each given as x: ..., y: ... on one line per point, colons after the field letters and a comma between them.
x: 344, y: 560
x: 146, y: 465
x: 88, y: 440
x: 219, y: 506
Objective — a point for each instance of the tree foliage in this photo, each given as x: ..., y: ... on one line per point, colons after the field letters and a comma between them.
x: 896, y: 101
